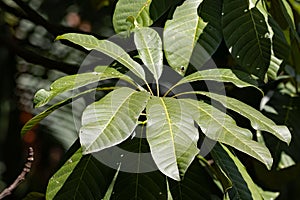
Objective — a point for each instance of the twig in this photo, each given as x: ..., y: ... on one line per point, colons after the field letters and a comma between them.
x: 7, y: 191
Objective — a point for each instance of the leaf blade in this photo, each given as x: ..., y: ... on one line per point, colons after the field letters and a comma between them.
x: 149, y: 46
x: 73, y: 179
x: 243, y: 186
x: 184, y: 28
x: 250, y: 37
x: 257, y: 119
x: 221, y: 127
x: 138, y: 9
x: 112, y: 119
x: 109, y: 48
x: 236, y: 77
x: 172, y: 136
x: 72, y: 82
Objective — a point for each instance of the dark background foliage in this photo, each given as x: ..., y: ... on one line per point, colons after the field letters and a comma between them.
x: 30, y: 60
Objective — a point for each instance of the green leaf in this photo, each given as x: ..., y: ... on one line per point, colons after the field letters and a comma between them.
x: 112, y: 119
x: 160, y: 7
x: 149, y: 46
x: 34, y: 196
x: 211, y: 37
x: 109, y: 191
x: 243, y: 187
x: 288, y: 113
x: 219, y: 126
x: 172, y: 136
x: 250, y: 36
x: 151, y: 185
x: 72, y: 82
x: 181, y: 35
x: 257, y: 119
x: 36, y: 119
x: 196, y: 184
x: 138, y: 9
x: 105, y: 46
x: 81, y: 177
x: 216, y: 173
x: 236, y: 77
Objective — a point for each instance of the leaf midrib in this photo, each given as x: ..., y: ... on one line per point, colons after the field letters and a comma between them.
x: 111, y: 118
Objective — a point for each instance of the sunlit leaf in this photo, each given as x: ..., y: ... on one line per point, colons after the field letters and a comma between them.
x: 112, y: 119
x: 138, y: 9
x: 172, y: 136
x: 221, y: 127
x: 149, y: 46
x: 181, y: 35
x: 243, y: 186
x: 105, y: 46
x: 236, y: 77
x: 257, y: 119
x: 72, y: 82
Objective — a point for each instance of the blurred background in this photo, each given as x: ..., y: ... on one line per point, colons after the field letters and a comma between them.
x: 30, y: 59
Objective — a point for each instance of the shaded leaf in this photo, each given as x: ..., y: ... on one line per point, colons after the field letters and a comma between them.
x: 181, y: 35
x: 112, y: 119
x: 217, y: 174
x: 149, y: 46
x: 257, y: 119
x: 250, y: 37
x: 196, y: 184
x: 105, y: 46
x: 243, y: 187
x: 219, y: 126
x: 34, y: 196
x: 160, y: 7
x: 211, y: 37
x: 172, y: 136
x: 287, y: 108
x: 81, y: 177
x: 138, y: 9
x: 109, y: 191
x: 151, y: 185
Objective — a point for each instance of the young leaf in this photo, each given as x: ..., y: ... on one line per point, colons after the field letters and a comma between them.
x: 72, y: 82
x: 250, y: 37
x: 181, y: 35
x: 172, y: 136
x: 257, y: 119
x: 81, y: 177
x: 112, y: 119
x: 220, y: 127
x: 149, y: 46
x: 138, y: 9
x: 109, y: 48
x: 243, y: 187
